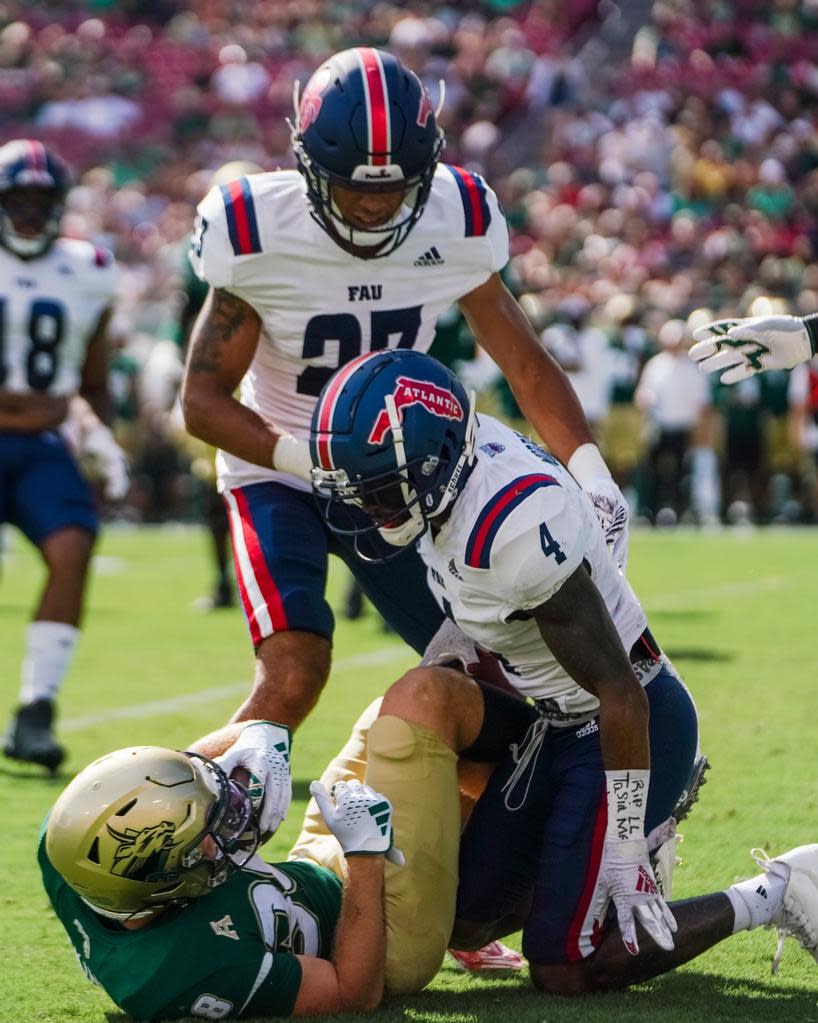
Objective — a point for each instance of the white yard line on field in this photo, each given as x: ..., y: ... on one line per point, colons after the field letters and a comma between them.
x: 394, y: 652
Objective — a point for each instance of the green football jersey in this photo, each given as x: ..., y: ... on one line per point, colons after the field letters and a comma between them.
x: 230, y: 953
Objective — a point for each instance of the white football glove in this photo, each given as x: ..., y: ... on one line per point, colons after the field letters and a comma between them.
x: 360, y: 818
x: 108, y: 458
x: 263, y: 750
x: 749, y: 346
x: 627, y: 875
x: 588, y: 468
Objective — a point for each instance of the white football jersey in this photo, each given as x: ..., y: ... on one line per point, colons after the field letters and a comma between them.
x: 518, y: 529
x: 49, y: 308
x: 320, y: 307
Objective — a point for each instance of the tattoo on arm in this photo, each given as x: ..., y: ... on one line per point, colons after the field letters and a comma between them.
x: 225, y: 315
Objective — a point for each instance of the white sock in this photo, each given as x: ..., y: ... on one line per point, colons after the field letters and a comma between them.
x: 756, y: 901
x: 49, y: 651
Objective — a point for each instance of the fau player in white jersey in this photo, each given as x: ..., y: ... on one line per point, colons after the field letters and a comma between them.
x: 358, y: 250
x: 518, y: 500
x: 55, y: 302
x: 517, y: 558
x: 292, y: 273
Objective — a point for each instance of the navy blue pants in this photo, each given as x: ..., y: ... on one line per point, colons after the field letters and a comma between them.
x: 281, y: 545
x: 550, y: 849
x: 41, y: 487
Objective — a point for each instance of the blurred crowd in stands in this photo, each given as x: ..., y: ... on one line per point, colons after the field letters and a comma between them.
x: 657, y: 162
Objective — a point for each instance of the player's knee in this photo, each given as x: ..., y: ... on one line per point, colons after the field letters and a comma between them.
x: 413, y: 968
x: 431, y: 697
x: 68, y: 551
x: 417, y: 692
x: 568, y: 980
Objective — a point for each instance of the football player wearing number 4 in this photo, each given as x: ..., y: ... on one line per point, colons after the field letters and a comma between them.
x: 360, y: 249
x: 517, y: 559
x: 55, y: 302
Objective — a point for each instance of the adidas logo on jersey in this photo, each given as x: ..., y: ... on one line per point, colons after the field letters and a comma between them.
x: 431, y: 257
x: 453, y: 570
x: 588, y: 729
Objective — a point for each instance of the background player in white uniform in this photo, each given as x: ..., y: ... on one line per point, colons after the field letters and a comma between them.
x: 55, y: 299
x: 359, y: 251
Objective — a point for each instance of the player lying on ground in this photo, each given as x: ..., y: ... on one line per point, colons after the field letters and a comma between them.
x: 744, y: 347
x: 790, y: 905
x: 149, y: 860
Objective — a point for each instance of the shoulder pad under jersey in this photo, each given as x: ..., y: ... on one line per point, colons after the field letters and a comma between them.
x: 94, y: 267
x: 475, y: 210
x: 531, y: 536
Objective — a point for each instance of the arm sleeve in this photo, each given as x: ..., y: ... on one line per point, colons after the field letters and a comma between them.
x: 210, y: 251
x: 541, y: 544
x: 106, y: 277
x: 497, y: 234
x: 798, y: 387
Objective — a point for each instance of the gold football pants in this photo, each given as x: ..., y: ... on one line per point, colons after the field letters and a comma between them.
x: 417, y: 772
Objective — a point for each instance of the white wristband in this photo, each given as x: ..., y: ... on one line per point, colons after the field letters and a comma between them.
x: 293, y: 456
x: 587, y: 464
x: 627, y: 799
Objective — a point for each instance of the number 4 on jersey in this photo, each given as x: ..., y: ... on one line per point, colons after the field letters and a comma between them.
x: 550, y: 547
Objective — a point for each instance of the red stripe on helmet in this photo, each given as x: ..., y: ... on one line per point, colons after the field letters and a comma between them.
x: 37, y: 155
x: 377, y: 107
x: 326, y: 410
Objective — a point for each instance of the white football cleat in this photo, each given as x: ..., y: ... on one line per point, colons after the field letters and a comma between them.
x: 798, y: 916
x: 492, y: 958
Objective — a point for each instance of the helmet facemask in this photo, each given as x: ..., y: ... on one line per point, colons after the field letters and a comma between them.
x: 231, y: 826
x: 138, y: 830
x: 376, y: 175
x: 366, y: 243
x: 399, y: 504
x: 38, y: 209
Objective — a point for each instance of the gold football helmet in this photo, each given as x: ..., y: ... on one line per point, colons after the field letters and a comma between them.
x: 127, y: 833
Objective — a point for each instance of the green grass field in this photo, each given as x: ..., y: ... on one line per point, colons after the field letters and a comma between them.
x: 735, y: 611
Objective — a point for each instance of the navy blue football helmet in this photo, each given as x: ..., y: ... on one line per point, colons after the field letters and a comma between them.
x: 365, y: 122
x: 392, y: 442
x: 33, y: 185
